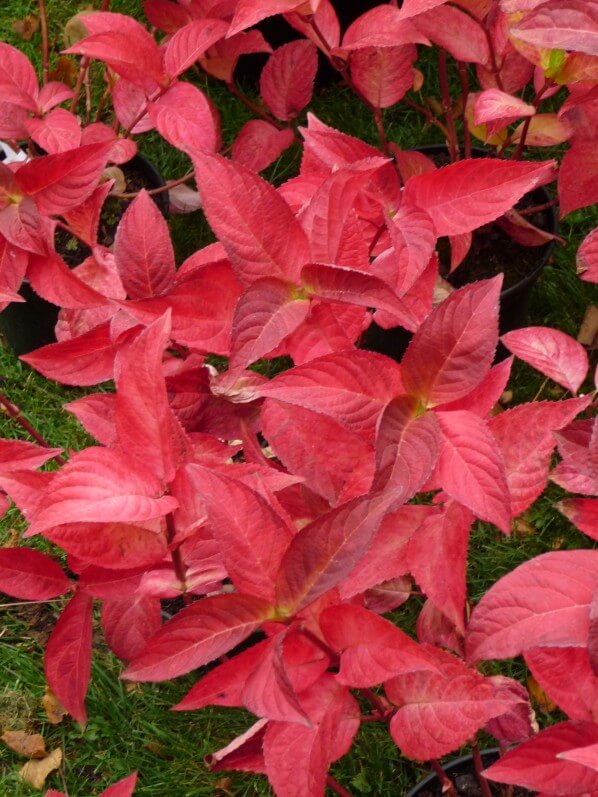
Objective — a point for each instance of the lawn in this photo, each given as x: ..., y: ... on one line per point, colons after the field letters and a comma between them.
x: 130, y: 726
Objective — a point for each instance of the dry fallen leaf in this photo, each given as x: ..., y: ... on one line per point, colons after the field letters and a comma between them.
x: 540, y: 696
x: 120, y: 181
x: 25, y: 28
x: 31, y: 745
x: 54, y: 711
x: 588, y: 331
x: 507, y: 397
x: 66, y: 71
x: 522, y: 528
x: 36, y: 772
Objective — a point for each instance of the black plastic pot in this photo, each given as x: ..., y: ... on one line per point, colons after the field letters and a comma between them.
x: 454, y: 769
x: 514, y: 301
x: 28, y: 325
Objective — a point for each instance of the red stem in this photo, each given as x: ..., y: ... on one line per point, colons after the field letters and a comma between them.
x: 447, y: 107
x: 479, y: 766
x: 536, y: 103
x: 430, y: 118
x: 448, y: 787
x: 45, y: 46
x: 254, y: 107
x: 464, y: 78
x: 15, y: 414
x: 177, y: 560
x: 537, y: 208
x: 336, y: 787
x: 153, y: 191
x: 83, y: 67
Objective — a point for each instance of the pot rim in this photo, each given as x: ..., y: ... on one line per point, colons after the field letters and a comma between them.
x: 453, y: 764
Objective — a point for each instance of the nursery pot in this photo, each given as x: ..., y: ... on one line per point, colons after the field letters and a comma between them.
x: 30, y: 324
x: 526, y: 265
x: 462, y: 772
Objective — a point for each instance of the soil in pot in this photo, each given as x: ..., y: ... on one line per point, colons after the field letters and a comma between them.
x: 29, y: 325
x: 462, y: 773
x: 492, y: 252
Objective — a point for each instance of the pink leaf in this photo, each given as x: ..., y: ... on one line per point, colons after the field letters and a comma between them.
x: 18, y: 81
x: 383, y: 26
x: 537, y: 764
x: 471, y: 470
x: 440, y: 711
x: 122, y: 788
x: 372, y: 649
x: 244, y: 753
x: 437, y: 557
x: 568, y: 25
x: 52, y: 94
x: 542, y: 603
x: 252, y: 537
x: 63, y: 181
x: 493, y: 104
x: 197, y: 635
x: 129, y: 624
x: 453, y: 349
x: 582, y: 512
x: 31, y: 575
x: 287, y: 80
x: 143, y: 251
x: 59, y: 131
x: 96, y: 414
x: 587, y: 257
x: 468, y: 194
x: 99, y: 485
x: 85, y: 360
x: 485, y: 396
x: 186, y: 119
x: 250, y: 12
x: 383, y: 75
x: 565, y: 674
x: 22, y: 226
x: 456, y: 32
x: 265, y: 315
x: 351, y: 387
x: 524, y: 436
x: 259, y: 144
x: 190, y: 42
x: 551, y: 352
x: 587, y: 756
x: 52, y: 279
x: 256, y: 226
x: 23, y: 455
x: 67, y: 661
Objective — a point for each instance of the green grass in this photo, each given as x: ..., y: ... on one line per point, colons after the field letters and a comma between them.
x: 131, y: 728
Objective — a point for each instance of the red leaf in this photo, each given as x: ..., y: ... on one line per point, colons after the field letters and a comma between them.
x: 59, y: 131
x: 456, y: 32
x: 537, y: 764
x: 352, y: 388
x: 123, y: 44
x: 453, y: 349
x: 84, y: 219
x: 187, y: 120
x: 324, y: 552
x: 437, y: 556
x: 122, y: 788
x: 18, y: 81
x: 486, y: 395
x: 339, y: 468
x: 23, y: 455
x: 383, y: 75
x: 96, y: 414
x: 63, y: 181
x: 143, y: 251
x: 67, y: 661
x: 190, y: 42
x: 440, y: 711
x: 287, y: 80
x: 542, y: 603
x: 265, y: 315
x: 197, y: 635
x: 551, y: 352
x: 562, y: 25
x: 383, y: 26
x: 565, y: 674
x: 23, y: 227
x: 166, y: 15
x: 582, y: 512
x: 250, y: 12
x: 256, y: 226
x: 587, y: 756
x: 259, y: 143
x: 524, y: 435
x: 587, y: 257
x: 578, y: 177
x: 252, y: 536
x: 146, y: 427
x: 99, y: 485
x: 130, y: 623
x: 297, y: 757
x: 244, y: 753
x: 85, y: 360
x: 468, y: 194
x: 52, y: 279
x: 372, y: 649
x: 492, y: 105
x: 471, y: 469
x: 31, y: 575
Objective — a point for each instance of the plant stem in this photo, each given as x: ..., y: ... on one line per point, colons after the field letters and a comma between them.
x: 27, y: 603
x: 447, y: 107
x: 153, y: 191
x: 430, y: 118
x: 448, y: 787
x: 83, y: 67
x: 336, y: 787
x: 464, y: 78
x: 18, y: 417
x: 177, y: 560
x: 479, y: 766
x: 377, y: 702
x: 254, y: 107
x: 45, y: 46
x: 537, y: 208
x: 526, y: 125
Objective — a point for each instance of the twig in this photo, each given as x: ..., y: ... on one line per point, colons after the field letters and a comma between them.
x: 45, y: 45
x: 537, y: 208
x: 540, y: 389
x: 153, y: 191
x: 336, y: 787
x: 447, y: 107
x: 27, y: 603
x: 464, y: 78
x: 430, y: 118
x: 526, y: 125
x: 18, y: 417
x: 479, y: 766
x: 177, y: 560
x: 448, y: 787
x: 83, y: 67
